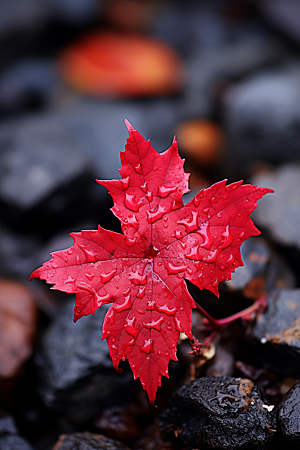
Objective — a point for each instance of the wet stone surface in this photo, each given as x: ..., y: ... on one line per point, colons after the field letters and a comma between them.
x: 219, y: 413
x: 280, y: 213
x: 276, y: 335
x: 75, y: 372
x: 262, y: 116
x: 289, y: 417
x: 88, y: 441
x: 263, y: 270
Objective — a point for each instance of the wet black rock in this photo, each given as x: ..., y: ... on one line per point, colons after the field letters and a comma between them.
x: 28, y: 84
x: 279, y: 213
x: 219, y: 413
x: 12, y: 442
x: 289, y: 417
x: 88, y: 441
x: 75, y: 371
x: 283, y: 15
x: 262, y: 117
x: 262, y: 268
x: 7, y: 425
x: 276, y: 337
x: 9, y: 439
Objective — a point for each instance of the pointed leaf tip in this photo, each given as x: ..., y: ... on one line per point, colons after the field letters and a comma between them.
x: 128, y: 125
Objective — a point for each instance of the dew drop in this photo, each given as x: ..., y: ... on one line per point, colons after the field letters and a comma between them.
x: 105, y: 277
x: 222, y: 267
x: 90, y: 276
x: 131, y: 203
x: 149, y: 196
x: 123, y: 358
x: 102, y: 299
x: 196, y: 201
x: 54, y: 265
x: 123, y: 306
x: 205, y: 210
x: 159, y: 263
x: 178, y: 325
x: 205, y: 234
x: 125, y: 182
x: 147, y: 346
x: 227, y: 238
x: 177, y: 234
x: 154, y: 324
x: 138, y: 168
x: 90, y: 254
x: 214, y: 200
x: 212, y: 257
x: 151, y: 305
x: 215, y: 283
x: 141, y: 311
x: 137, y: 279
x: 190, y: 224
x: 166, y: 218
x: 242, y: 234
x: 172, y: 269
x: 183, y: 245
x: 169, y: 328
x: 166, y: 225
x: 144, y: 187
x: 167, y: 310
x: 141, y: 292
x: 164, y: 191
x: 114, y: 346
x: 130, y: 328
x: 130, y: 241
x: 230, y: 259
x: 68, y: 280
x: 156, y: 213
x: 70, y: 252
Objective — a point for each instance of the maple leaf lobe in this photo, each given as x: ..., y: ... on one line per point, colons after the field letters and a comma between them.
x: 142, y: 272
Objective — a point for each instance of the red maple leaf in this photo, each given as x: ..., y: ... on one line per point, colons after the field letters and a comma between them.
x: 142, y: 272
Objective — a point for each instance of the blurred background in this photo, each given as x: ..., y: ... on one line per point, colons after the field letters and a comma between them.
x: 223, y: 75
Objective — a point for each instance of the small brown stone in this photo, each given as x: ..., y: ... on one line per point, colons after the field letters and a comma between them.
x: 201, y: 140
x: 18, y: 315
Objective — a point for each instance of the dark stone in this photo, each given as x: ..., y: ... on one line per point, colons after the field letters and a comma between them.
x: 219, y: 413
x: 276, y: 336
x: 7, y: 425
x: 279, y: 213
x: 75, y: 372
x: 262, y: 117
x: 87, y: 441
x: 28, y: 84
x: 262, y: 269
x: 283, y: 15
x: 11, y: 442
x: 289, y: 417
x: 21, y: 15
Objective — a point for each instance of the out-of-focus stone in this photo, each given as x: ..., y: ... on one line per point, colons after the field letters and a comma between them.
x: 130, y: 14
x: 75, y: 371
x: 14, y: 442
x: 262, y: 117
x: 283, y: 15
x: 114, y: 65
x: 202, y: 141
x: 289, y: 417
x: 219, y: 413
x: 152, y: 439
x: 262, y: 271
x: 222, y: 365
x: 119, y: 423
x: 18, y: 316
x: 87, y: 441
x: 279, y: 213
x: 27, y: 84
x: 276, y: 335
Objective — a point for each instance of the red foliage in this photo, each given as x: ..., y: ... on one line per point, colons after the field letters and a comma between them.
x: 142, y: 271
